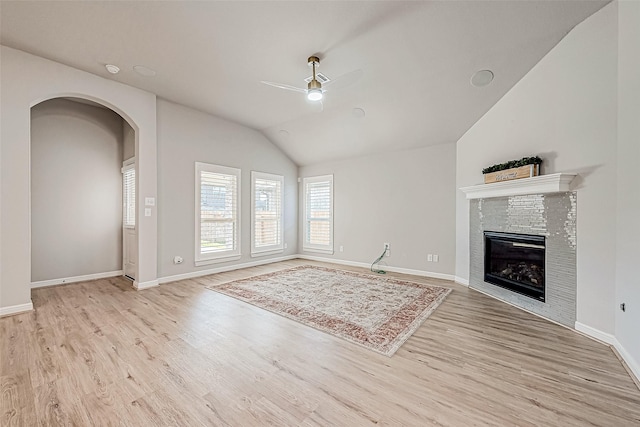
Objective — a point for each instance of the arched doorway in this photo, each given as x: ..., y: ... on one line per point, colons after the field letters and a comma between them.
x: 83, y: 214
x: 26, y: 81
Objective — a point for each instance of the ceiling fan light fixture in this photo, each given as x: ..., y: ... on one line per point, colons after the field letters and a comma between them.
x: 314, y: 94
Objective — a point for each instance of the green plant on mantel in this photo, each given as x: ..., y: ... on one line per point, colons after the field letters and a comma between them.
x: 513, y: 164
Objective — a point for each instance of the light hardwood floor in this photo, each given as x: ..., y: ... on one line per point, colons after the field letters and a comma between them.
x: 101, y: 353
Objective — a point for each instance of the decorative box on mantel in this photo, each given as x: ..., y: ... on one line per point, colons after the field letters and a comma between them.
x: 526, y: 171
x: 552, y: 183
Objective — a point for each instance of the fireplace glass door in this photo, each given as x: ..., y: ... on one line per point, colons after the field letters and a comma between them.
x: 515, y: 262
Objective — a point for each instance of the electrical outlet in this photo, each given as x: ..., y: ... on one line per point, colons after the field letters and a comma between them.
x: 387, y: 249
x: 177, y: 259
x: 429, y: 257
x: 285, y: 246
x: 435, y: 258
x: 341, y: 248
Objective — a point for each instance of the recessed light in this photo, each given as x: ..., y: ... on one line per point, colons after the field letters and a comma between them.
x: 112, y: 68
x: 144, y: 71
x: 358, y: 113
x: 482, y: 78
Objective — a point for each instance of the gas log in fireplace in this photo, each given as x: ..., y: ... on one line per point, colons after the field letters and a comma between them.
x: 515, y: 262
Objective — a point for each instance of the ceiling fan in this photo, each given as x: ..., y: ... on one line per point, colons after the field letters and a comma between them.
x: 315, y: 90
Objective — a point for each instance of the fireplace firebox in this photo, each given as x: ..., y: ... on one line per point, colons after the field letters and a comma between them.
x: 515, y: 262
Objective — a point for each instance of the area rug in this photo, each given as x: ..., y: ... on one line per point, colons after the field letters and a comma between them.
x: 376, y: 312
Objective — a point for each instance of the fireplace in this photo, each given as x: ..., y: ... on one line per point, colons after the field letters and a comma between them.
x: 515, y: 262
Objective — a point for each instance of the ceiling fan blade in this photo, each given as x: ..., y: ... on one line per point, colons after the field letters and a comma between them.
x: 344, y: 80
x: 283, y: 86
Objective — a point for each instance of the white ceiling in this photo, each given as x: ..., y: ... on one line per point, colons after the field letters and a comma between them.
x: 416, y: 59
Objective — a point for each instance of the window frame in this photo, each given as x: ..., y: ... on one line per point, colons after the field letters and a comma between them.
x: 271, y: 249
x: 223, y: 256
x: 127, y: 166
x: 306, y: 245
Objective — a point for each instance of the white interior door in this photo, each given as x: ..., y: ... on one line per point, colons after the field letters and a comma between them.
x: 129, y: 253
x: 129, y: 235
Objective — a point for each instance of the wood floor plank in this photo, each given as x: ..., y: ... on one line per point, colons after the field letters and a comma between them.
x: 100, y: 353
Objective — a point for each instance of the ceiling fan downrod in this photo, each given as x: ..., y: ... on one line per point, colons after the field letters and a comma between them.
x: 314, y: 87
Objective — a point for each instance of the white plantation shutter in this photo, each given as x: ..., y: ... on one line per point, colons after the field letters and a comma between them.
x: 217, y: 213
x: 266, y: 213
x: 318, y: 210
x: 129, y: 195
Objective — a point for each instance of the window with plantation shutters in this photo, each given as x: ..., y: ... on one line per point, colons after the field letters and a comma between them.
x: 318, y: 214
x: 266, y: 213
x: 217, y: 213
x: 129, y: 195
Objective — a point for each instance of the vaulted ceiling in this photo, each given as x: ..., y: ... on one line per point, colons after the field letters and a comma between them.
x: 416, y: 60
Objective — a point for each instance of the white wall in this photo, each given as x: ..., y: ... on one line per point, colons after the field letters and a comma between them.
x: 404, y: 198
x: 76, y: 190
x: 186, y: 136
x: 628, y: 194
x: 27, y: 80
x: 564, y: 110
x: 129, y: 140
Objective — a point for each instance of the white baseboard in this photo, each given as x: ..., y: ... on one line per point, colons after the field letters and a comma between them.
x: 595, y: 333
x: 145, y: 285
x: 460, y: 281
x: 209, y: 271
x: 631, y: 363
x: 75, y: 279
x: 381, y: 267
x: 16, y: 309
x: 611, y: 340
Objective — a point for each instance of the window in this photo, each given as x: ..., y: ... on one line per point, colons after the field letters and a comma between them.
x: 318, y: 214
x: 217, y: 214
x: 266, y: 213
x: 129, y: 194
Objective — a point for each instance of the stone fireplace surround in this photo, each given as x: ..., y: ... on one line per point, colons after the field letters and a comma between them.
x: 540, y: 206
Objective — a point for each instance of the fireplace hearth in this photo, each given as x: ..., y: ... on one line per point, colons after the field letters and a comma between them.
x: 515, y: 262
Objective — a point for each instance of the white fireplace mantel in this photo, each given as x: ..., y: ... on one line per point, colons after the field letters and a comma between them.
x: 552, y: 183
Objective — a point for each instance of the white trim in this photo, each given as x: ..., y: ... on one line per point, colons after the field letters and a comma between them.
x: 632, y: 364
x: 75, y: 279
x: 145, y: 285
x: 319, y: 251
x: 265, y: 253
x: 461, y: 281
x: 595, y: 333
x: 552, y: 183
x: 591, y: 333
x: 209, y: 257
x: 218, y: 260
x: 609, y: 339
x: 16, y: 309
x: 130, y: 162
x: 383, y: 267
x: 278, y: 247
x: 207, y: 272
x: 306, y: 246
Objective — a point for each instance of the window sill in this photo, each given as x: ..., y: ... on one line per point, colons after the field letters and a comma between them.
x: 217, y: 260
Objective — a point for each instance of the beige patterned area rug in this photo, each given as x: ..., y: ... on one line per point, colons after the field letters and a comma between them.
x: 376, y: 312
